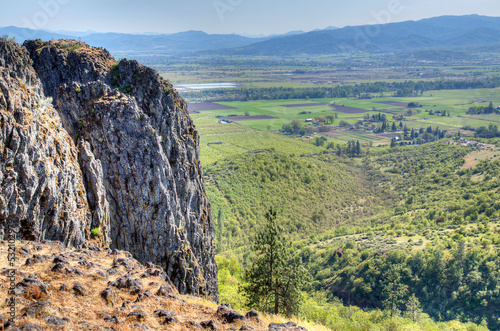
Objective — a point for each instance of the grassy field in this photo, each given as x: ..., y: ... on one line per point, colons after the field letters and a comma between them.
x: 232, y: 135
x: 237, y: 139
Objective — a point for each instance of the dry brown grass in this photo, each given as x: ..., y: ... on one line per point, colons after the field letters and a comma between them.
x: 473, y: 158
x: 269, y: 318
x: 90, y: 308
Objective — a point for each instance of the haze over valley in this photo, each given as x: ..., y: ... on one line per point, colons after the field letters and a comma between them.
x: 250, y: 165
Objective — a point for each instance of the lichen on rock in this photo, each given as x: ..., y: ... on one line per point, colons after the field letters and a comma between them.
x: 138, y: 151
x: 41, y: 187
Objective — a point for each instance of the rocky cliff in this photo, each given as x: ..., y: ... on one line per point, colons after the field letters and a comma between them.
x: 120, y: 149
x: 41, y: 186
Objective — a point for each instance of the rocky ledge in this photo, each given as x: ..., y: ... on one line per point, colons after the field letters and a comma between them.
x: 92, y: 288
x: 92, y: 148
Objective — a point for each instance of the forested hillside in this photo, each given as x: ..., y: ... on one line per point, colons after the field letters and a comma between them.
x: 312, y: 192
x: 442, y: 239
x: 424, y: 217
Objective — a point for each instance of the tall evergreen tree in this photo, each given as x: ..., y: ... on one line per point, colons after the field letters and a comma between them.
x: 394, y: 290
x: 413, y: 309
x: 274, y: 281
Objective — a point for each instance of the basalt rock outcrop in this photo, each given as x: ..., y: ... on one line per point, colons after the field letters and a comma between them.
x: 126, y: 163
x: 41, y: 188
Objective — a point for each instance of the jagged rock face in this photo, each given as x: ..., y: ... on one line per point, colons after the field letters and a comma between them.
x: 41, y: 187
x: 139, y: 154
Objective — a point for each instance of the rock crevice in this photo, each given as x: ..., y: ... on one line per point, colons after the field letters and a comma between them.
x: 134, y: 150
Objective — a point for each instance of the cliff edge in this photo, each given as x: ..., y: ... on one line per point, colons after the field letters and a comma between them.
x: 92, y: 144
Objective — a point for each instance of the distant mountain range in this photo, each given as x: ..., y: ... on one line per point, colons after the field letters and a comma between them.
x: 439, y: 33
x: 434, y: 33
x: 121, y: 43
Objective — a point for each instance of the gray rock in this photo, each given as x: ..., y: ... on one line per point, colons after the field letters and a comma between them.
x: 127, y: 282
x: 31, y: 327
x: 223, y: 307
x: 96, y: 192
x: 41, y: 188
x: 144, y: 295
x: 210, y: 325
x: 54, y: 320
x: 164, y: 290
x: 163, y: 313
x: 232, y: 316
x: 61, y: 259
x: 79, y: 289
x: 113, y: 319
x: 252, y: 313
x: 58, y: 267
x: 140, y: 315
x: 150, y: 197
x: 289, y: 326
x: 194, y: 324
x: 133, y: 173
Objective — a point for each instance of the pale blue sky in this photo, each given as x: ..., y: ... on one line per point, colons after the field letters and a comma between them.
x: 226, y: 16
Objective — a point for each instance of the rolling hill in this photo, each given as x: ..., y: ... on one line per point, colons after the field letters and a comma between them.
x: 124, y: 44
x: 435, y: 33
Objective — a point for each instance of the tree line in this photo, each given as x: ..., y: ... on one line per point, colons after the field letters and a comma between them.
x: 400, y: 89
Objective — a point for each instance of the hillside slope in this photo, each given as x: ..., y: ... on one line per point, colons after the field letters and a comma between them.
x: 312, y: 193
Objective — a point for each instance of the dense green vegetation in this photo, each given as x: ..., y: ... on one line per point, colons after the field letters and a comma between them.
x: 321, y: 308
x: 451, y: 280
x: 426, y: 210
x: 456, y: 210
x: 311, y: 192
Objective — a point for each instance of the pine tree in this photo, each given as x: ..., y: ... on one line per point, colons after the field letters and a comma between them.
x: 394, y: 128
x: 274, y: 281
x: 394, y: 290
x: 413, y: 309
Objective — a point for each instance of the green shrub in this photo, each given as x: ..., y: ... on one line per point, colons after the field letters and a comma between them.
x: 95, y: 232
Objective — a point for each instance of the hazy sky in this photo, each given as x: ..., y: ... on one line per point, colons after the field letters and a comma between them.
x: 226, y: 16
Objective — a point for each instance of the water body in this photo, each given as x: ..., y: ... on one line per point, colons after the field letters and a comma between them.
x: 207, y: 86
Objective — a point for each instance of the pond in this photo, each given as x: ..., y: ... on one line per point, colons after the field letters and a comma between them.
x: 206, y: 86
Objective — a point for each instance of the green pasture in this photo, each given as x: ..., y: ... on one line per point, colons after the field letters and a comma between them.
x: 254, y: 134
x: 238, y: 139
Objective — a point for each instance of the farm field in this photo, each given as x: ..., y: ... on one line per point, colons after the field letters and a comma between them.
x: 271, y: 115
x: 238, y: 139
